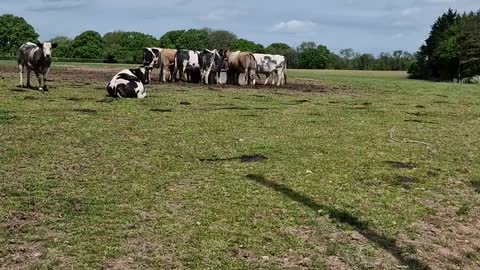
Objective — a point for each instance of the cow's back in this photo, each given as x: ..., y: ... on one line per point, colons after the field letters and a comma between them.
x: 25, y: 52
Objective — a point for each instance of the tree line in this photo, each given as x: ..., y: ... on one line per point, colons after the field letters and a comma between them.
x: 127, y: 47
x: 452, y: 50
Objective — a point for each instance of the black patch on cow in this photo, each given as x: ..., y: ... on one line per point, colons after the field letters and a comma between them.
x: 147, y: 57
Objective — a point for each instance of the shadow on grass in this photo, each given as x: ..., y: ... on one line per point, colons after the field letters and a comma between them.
x: 341, y: 216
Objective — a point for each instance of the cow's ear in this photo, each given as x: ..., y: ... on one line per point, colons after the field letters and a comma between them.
x: 54, y: 45
x: 40, y: 45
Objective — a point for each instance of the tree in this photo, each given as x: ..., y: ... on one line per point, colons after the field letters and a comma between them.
x: 470, y: 45
x: 439, y: 58
x: 88, y: 44
x: 364, y: 62
x: 127, y: 46
x: 14, y: 31
x: 312, y: 56
x: 246, y: 46
x: 194, y: 39
x: 64, y: 46
x: 220, y: 39
x: 172, y: 39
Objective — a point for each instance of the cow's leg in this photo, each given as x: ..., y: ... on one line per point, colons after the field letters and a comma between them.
x: 29, y: 71
x: 40, y: 80
x: 45, y: 79
x: 267, y: 78
x: 20, y: 73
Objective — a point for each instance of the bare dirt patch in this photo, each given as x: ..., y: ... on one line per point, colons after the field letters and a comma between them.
x: 447, y: 240
x: 400, y: 165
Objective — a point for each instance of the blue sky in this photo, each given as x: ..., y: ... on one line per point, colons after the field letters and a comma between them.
x: 369, y: 26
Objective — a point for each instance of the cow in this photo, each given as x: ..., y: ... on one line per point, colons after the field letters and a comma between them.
x: 211, y: 62
x: 186, y: 63
x: 271, y: 66
x: 162, y: 59
x: 167, y: 62
x: 129, y: 83
x: 36, y: 58
x: 237, y: 63
x: 151, y: 59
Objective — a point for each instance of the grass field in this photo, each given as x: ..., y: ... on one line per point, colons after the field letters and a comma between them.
x: 344, y: 170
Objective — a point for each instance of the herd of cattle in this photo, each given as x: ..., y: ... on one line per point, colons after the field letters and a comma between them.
x: 206, y: 67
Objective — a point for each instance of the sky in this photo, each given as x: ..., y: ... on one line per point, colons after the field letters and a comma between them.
x: 368, y: 26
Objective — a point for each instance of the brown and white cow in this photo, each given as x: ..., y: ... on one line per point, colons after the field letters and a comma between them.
x: 237, y: 63
x: 36, y: 58
x: 163, y: 59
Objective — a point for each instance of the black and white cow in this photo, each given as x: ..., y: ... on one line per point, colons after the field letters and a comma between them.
x: 186, y: 63
x: 211, y: 62
x: 36, y: 58
x: 151, y: 59
x: 129, y: 83
x: 272, y: 66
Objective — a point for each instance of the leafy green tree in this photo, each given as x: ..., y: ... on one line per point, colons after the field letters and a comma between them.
x: 64, y: 49
x: 470, y: 45
x: 364, y: 62
x: 194, y: 39
x: 88, y: 44
x: 220, y: 39
x: 172, y: 39
x: 312, y: 56
x: 127, y: 46
x: 14, y: 31
x: 439, y: 58
x: 246, y: 46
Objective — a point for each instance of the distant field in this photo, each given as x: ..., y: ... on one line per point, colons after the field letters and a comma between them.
x: 339, y: 170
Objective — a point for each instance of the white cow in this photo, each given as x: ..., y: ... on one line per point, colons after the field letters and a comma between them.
x: 272, y: 66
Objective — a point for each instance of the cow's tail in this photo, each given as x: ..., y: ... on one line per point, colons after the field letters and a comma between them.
x: 285, y: 71
x: 253, y: 69
x: 175, y: 68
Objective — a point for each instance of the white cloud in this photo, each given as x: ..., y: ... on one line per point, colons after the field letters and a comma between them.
x: 411, y: 11
x: 294, y: 26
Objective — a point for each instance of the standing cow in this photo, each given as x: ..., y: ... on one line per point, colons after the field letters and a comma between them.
x: 238, y: 62
x: 211, y: 62
x: 129, y: 83
x: 36, y: 58
x: 151, y: 59
x: 272, y: 66
x: 186, y: 63
x: 163, y: 59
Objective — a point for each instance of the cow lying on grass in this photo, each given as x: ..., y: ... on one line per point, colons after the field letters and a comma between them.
x: 36, y: 58
x: 129, y: 83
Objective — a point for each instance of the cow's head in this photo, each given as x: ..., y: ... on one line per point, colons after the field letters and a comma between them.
x: 143, y: 74
x: 150, y: 57
x: 47, y: 47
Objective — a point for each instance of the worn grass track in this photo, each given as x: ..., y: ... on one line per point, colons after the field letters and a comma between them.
x: 87, y: 181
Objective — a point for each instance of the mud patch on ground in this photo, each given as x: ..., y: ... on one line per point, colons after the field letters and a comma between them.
x: 75, y: 99
x: 85, y: 111
x: 476, y: 185
x: 421, y: 121
x: 242, y: 159
x: 447, y: 240
x: 161, y: 110
x: 185, y: 103
x: 405, y: 181
x: 30, y: 98
x: 401, y: 165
